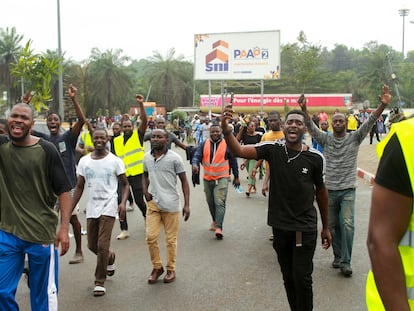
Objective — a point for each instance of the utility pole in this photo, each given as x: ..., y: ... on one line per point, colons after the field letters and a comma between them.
x: 403, y: 12
x: 60, y: 88
x: 394, y: 79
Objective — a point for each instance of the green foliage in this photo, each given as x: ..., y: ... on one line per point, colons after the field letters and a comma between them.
x: 36, y: 70
x: 108, y: 80
x: 177, y: 114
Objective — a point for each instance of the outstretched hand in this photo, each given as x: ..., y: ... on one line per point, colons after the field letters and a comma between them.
x: 385, y: 97
x: 139, y: 98
x: 302, y: 102
x: 27, y: 97
x: 226, y: 115
x: 72, y: 91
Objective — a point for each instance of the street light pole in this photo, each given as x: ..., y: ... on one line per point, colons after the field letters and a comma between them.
x: 60, y: 88
x: 403, y: 12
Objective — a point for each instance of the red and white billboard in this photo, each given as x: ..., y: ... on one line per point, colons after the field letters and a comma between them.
x: 277, y: 100
x: 237, y: 56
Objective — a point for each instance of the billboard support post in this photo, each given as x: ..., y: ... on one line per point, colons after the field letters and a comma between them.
x: 261, y: 95
x: 209, y: 99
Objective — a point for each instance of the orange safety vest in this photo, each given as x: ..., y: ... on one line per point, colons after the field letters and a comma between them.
x: 219, y: 166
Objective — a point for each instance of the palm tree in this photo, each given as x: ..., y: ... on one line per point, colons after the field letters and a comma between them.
x: 169, y: 78
x: 9, y: 49
x: 108, y: 79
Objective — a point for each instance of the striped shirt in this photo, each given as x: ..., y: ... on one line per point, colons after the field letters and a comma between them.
x: 341, y: 154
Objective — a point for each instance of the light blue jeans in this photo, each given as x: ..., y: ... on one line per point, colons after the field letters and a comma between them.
x: 216, y: 195
x: 341, y: 223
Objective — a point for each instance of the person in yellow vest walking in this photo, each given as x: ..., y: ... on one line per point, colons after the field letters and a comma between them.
x: 351, y: 122
x: 130, y: 148
x: 390, y: 284
x: 85, y: 143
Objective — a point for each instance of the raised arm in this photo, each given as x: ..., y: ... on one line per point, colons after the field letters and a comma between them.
x: 384, y: 99
x: 245, y: 151
x: 77, y: 128
x: 142, y: 115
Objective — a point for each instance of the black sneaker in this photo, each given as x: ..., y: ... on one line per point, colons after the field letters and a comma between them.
x: 346, y: 271
x: 336, y: 264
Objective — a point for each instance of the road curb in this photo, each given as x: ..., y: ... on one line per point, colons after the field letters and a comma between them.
x: 366, y: 175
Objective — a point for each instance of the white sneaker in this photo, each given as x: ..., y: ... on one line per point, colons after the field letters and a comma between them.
x: 130, y: 208
x: 123, y: 235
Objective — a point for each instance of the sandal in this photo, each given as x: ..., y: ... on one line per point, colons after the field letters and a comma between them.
x: 99, y: 291
x: 110, y: 270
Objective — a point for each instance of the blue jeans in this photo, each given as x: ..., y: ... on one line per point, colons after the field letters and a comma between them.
x: 296, y: 264
x: 341, y: 223
x: 216, y: 195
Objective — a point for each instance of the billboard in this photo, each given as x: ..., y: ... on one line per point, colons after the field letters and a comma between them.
x: 277, y: 100
x: 237, y: 56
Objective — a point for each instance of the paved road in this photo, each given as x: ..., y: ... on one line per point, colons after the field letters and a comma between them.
x: 238, y: 273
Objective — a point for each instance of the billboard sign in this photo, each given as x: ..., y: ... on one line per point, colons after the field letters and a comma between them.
x: 278, y: 100
x: 237, y: 56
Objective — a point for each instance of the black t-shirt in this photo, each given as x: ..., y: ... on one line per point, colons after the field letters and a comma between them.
x: 250, y: 139
x: 392, y: 171
x: 292, y: 186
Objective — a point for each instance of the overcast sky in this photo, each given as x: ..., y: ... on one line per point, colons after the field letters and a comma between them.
x: 139, y: 27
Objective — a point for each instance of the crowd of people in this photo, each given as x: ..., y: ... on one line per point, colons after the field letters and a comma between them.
x: 114, y: 167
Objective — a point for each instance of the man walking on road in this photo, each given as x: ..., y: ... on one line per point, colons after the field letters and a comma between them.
x: 296, y: 179
x: 101, y: 171
x: 161, y: 168
x: 217, y: 162
x: 130, y: 148
x: 31, y: 176
x: 341, y: 151
x: 66, y: 145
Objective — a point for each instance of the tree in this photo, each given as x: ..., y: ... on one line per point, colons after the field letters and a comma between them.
x: 9, y: 49
x: 37, y: 71
x: 169, y: 79
x: 108, y: 80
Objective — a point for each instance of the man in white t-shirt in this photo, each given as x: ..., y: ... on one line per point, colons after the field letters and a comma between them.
x: 101, y: 171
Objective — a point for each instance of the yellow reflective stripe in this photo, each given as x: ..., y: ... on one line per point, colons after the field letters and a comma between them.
x: 135, y: 163
x: 133, y: 151
x: 408, y: 239
x: 410, y: 293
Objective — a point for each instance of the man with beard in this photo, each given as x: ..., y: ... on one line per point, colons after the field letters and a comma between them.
x: 161, y: 168
x: 66, y: 144
x: 130, y: 148
x: 217, y: 162
x: 340, y: 149
x: 160, y: 123
x: 116, y: 130
x: 31, y: 176
x: 296, y: 178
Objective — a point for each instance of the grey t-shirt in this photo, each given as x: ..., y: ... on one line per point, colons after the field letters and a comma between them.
x: 341, y: 154
x: 162, y: 175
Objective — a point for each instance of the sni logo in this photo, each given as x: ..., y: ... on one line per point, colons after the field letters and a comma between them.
x: 218, y: 59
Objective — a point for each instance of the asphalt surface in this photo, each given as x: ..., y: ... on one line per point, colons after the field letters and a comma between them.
x: 239, y: 272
